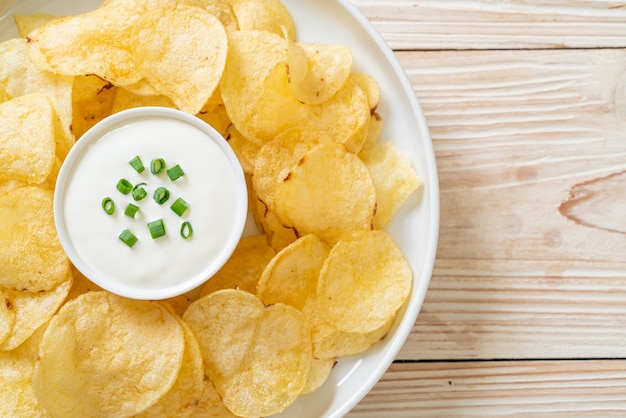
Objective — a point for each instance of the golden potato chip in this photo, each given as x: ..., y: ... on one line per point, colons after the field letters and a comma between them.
x: 33, y: 310
x: 103, y: 355
x: 184, y: 396
x: 370, y: 87
x: 214, y: 113
x: 251, y: 55
x: 243, y: 269
x: 30, y: 252
x: 181, y: 52
x: 393, y: 177
x: 92, y: 101
x: 258, y: 357
x: 278, y: 235
x: 245, y: 150
x: 21, y: 77
x: 223, y: 10
x: 28, y: 22
x: 211, y: 405
x: 9, y: 185
x: 277, y: 158
x: 180, y: 303
x: 16, y: 371
x: 364, y: 281
x: 317, y: 71
x: 7, y: 314
x: 277, y: 109
x: 80, y: 285
x: 4, y: 94
x: 291, y: 276
x: 125, y: 99
x: 374, y: 129
x: 329, y: 193
x: 27, y: 138
x: 264, y: 15
x: 329, y: 342
x: 318, y: 373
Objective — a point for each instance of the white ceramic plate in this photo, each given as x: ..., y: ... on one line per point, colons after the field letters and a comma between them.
x: 415, y: 228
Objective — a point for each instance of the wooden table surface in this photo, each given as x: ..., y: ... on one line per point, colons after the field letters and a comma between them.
x: 526, y: 310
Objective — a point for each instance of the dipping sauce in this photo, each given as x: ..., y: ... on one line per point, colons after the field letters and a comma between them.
x: 213, y: 186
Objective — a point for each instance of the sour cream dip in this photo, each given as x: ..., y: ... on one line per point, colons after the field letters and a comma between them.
x: 196, y: 244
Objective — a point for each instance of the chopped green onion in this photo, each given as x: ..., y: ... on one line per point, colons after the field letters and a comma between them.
x: 137, y: 164
x: 179, y: 206
x: 124, y: 186
x: 175, y: 172
x: 128, y: 238
x: 139, y: 192
x: 108, y: 205
x: 186, y: 231
x: 157, y: 165
x: 161, y: 195
x: 131, y: 210
x: 157, y: 229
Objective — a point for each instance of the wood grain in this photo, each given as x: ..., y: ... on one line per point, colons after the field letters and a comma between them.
x: 488, y: 24
x: 513, y: 388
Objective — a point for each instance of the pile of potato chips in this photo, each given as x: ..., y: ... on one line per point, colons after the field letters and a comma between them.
x: 321, y: 280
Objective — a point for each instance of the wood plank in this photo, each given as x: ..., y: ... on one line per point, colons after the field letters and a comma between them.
x: 518, y: 388
x: 518, y: 135
x: 488, y: 24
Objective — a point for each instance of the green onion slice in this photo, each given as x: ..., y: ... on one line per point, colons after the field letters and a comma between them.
x: 128, y: 238
x: 157, y: 165
x: 108, y: 205
x: 124, y: 186
x: 157, y: 229
x: 136, y: 163
x: 186, y: 231
x: 175, y: 172
x: 139, y: 192
x: 131, y: 210
x: 161, y: 195
x: 179, y: 206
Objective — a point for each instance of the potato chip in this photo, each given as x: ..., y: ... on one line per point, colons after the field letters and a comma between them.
x: 251, y: 56
x: 264, y: 15
x: 16, y: 371
x: 9, y: 185
x: 7, y: 315
x: 184, y: 396
x: 92, y: 101
x: 4, y: 95
x: 329, y: 342
x: 277, y: 109
x: 317, y: 71
x: 21, y: 77
x: 245, y: 150
x: 33, y: 310
x: 27, y: 138
x: 211, y: 405
x: 80, y: 285
x: 370, y: 87
x: 181, y: 52
x: 393, y: 177
x: 364, y: 281
x: 277, y: 158
x: 374, y: 130
x: 214, y: 113
x: 125, y: 99
x: 30, y: 252
x: 329, y: 193
x: 26, y: 23
x: 258, y: 357
x: 103, y: 355
x: 223, y: 10
x: 291, y: 276
x: 243, y: 269
x: 318, y: 373
x: 278, y: 235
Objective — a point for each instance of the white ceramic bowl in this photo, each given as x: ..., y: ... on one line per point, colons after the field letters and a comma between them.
x: 415, y: 228
x: 213, y: 184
